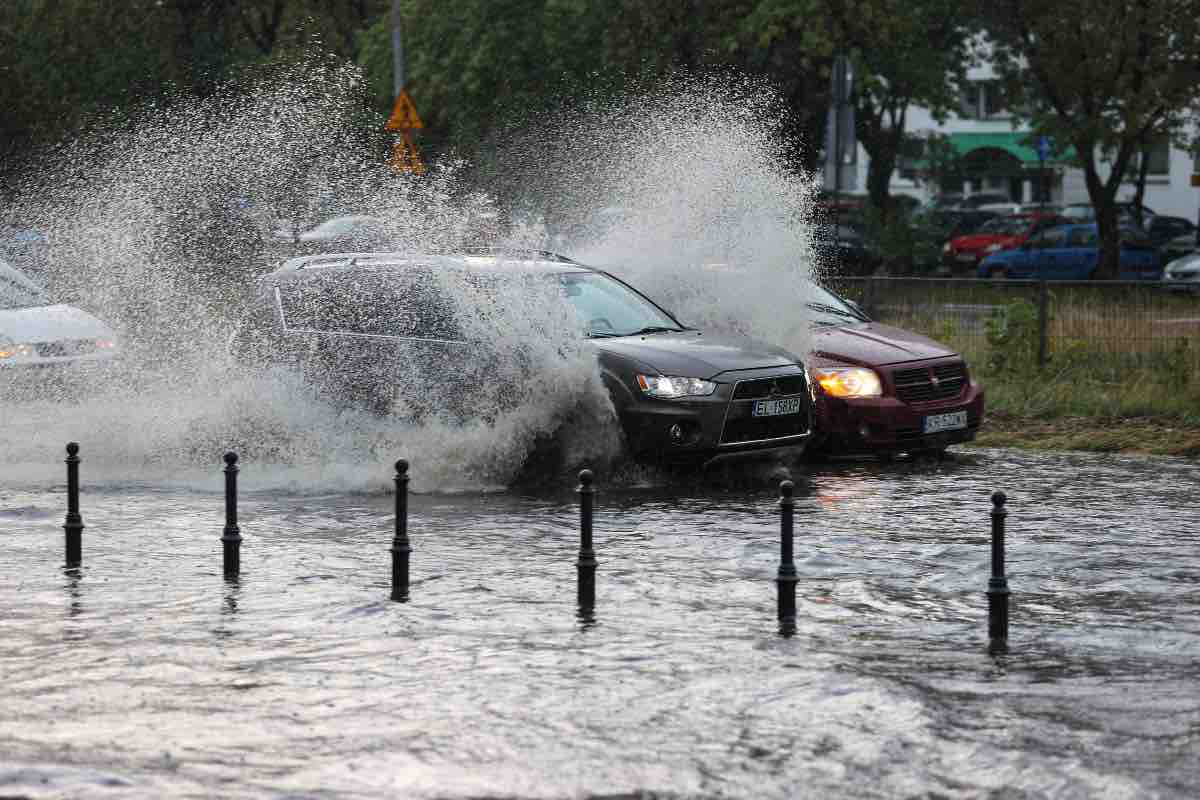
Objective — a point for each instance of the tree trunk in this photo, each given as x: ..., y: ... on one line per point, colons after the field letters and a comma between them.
x: 1103, y: 196
x: 882, y: 145
x: 1139, y: 195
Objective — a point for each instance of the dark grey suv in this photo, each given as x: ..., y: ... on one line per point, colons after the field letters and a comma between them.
x: 380, y: 329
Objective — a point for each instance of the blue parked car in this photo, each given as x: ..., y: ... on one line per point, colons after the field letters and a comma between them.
x: 1071, y: 253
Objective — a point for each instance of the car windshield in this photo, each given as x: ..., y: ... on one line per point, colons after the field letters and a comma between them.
x: 17, y: 291
x: 608, y: 307
x: 825, y: 308
x: 1005, y: 226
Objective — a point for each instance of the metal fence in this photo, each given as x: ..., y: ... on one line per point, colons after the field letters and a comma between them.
x: 1117, y: 325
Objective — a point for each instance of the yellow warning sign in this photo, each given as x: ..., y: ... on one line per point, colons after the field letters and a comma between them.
x: 406, y: 157
x: 404, y: 115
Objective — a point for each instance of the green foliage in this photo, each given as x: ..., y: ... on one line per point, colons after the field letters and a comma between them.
x: 1012, y: 337
x: 910, y: 244
x: 1103, y: 76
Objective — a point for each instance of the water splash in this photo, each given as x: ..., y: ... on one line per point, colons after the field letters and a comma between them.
x: 687, y: 192
x: 161, y: 226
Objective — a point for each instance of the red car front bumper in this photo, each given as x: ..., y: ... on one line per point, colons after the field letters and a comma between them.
x: 890, y: 424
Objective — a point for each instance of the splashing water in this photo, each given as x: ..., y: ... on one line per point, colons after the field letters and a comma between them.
x: 691, y: 198
x: 161, y: 227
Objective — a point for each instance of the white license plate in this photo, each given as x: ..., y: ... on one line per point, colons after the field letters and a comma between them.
x: 775, y: 408
x: 966, y: 258
x: 955, y: 420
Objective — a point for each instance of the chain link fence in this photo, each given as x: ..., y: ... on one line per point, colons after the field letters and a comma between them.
x: 1117, y: 326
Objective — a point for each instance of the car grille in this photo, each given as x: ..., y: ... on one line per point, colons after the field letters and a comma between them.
x: 742, y: 427
x: 784, y: 386
x: 927, y: 384
x: 66, y: 347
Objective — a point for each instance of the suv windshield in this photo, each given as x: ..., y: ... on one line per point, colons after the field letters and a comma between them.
x: 608, y: 307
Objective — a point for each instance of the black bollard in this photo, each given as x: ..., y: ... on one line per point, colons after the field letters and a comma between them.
x: 231, y: 539
x: 997, y: 592
x: 400, y: 546
x: 786, y: 579
x: 73, y: 526
x: 586, y: 565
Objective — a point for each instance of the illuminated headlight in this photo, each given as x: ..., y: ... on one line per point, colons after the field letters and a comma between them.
x: 668, y: 386
x: 991, y: 248
x: 10, y: 349
x: 848, y: 381
x: 946, y: 248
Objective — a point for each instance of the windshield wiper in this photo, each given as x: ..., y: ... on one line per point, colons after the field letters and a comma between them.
x: 841, y: 312
x: 655, y: 329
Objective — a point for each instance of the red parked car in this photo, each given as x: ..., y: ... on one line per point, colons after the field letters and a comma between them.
x: 963, y: 253
x: 882, y: 390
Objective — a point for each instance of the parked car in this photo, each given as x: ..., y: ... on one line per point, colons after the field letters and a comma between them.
x: 963, y: 253
x: 1179, y: 247
x: 1162, y: 229
x: 37, y: 334
x: 1183, y: 274
x: 1126, y: 214
x: 374, y: 327
x: 962, y: 202
x: 1072, y: 252
x: 882, y: 390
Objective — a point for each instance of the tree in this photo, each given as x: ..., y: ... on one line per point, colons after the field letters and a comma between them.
x: 1104, y: 76
x: 903, y: 53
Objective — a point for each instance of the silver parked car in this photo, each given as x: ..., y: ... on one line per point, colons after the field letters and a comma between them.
x: 36, y: 333
x: 1183, y: 274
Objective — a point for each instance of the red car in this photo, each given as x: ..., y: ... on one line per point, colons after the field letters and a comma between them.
x: 882, y: 390
x: 963, y: 253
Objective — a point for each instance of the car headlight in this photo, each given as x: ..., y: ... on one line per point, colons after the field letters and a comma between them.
x: 669, y: 386
x: 946, y: 248
x: 848, y: 381
x: 991, y: 248
x: 10, y: 349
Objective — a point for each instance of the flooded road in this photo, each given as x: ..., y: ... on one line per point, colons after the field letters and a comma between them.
x: 147, y: 675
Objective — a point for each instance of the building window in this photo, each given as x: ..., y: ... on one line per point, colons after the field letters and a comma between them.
x: 995, y: 100
x: 1158, y: 160
x: 985, y: 100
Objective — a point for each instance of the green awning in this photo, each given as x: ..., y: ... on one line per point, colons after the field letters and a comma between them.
x: 1021, y: 145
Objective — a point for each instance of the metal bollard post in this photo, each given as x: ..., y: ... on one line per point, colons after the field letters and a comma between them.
x: 73, y: 525
x: 400, y: 546
x: 786, y: 579
x: 997, y: 592
x: 231, y: 539
x: 586, y: 565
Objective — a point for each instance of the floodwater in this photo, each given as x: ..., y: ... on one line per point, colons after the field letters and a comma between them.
x: 145, y: 674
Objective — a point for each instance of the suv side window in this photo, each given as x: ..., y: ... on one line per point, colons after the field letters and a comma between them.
x: 402, y: 303
x: 1082, y: 237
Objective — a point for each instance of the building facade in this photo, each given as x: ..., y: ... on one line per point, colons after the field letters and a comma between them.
x: 999, y: 156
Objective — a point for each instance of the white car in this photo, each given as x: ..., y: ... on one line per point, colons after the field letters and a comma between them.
x: 1183, y: 274
x: 37, y: 333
